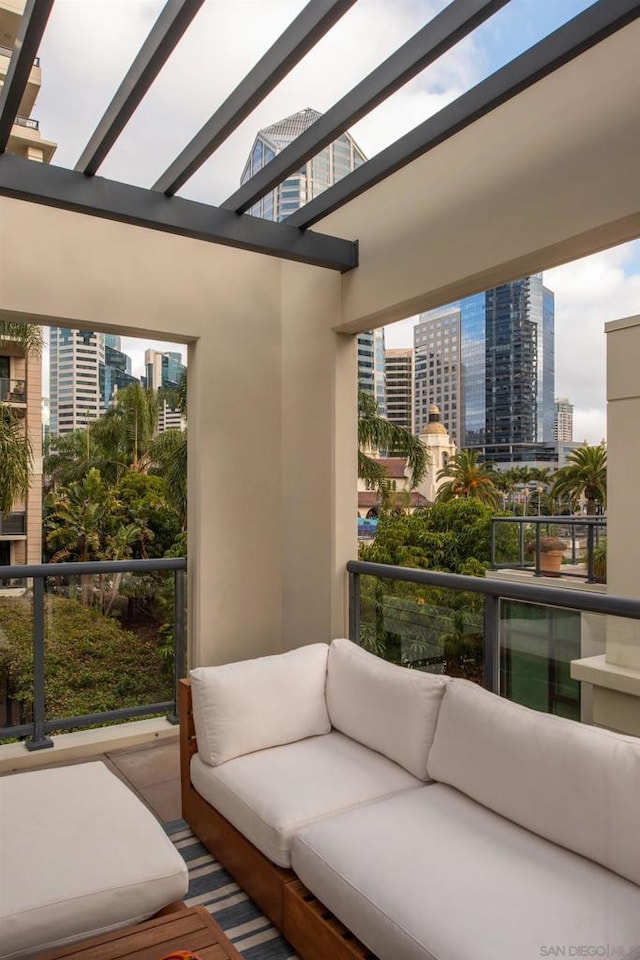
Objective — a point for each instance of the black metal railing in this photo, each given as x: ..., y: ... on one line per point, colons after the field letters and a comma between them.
x: 13, y: 390
x: 36, y: 731
x: 13, y: 525
x: 581, y: 537
x: 494, y: 592
x: 27, y: 122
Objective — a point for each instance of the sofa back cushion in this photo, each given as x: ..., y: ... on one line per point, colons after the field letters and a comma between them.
x: 576, y: 785
x: 385, y: 707
x: 255, y: 704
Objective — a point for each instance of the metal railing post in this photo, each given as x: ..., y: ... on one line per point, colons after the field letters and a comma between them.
x: 178, y: 638
x: 590, y: 553
x: 354, y: 607
x: 492, y: 643
x: 39, y: 741
x: 537, y: 550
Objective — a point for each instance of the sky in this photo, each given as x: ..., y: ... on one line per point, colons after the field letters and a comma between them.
x: 89, y: 45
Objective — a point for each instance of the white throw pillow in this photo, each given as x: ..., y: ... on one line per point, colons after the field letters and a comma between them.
x: 255, y: 704
x: 574, y: 784
x: 384, y: 706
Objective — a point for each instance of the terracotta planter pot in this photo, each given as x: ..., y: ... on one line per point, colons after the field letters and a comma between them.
x: 550, y: 562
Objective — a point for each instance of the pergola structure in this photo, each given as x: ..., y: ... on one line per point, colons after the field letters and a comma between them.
x: 536, y: 165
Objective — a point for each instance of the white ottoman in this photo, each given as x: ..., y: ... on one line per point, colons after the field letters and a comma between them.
x: 79, y: 855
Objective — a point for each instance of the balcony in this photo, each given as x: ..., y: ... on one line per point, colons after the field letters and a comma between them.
x: 68, y: 607
x: 32, y: 88
x: 523, y: 544
x: 13, y: 392
x: 14, y: 525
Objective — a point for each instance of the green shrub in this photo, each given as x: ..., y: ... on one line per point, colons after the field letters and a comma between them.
x: 91, y: 663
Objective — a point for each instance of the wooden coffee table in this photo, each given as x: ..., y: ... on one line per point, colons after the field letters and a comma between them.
x: 189, y: 929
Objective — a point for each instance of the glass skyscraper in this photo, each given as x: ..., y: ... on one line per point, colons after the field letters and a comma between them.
x: 332, y: 163
x: 488, y: 362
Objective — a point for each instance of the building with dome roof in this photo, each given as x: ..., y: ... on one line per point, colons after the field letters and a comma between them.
x: 440, y: 447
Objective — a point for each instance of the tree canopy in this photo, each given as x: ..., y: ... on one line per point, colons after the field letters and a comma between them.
x: 16, y: 458
x: 468, y: 478
x: 376, y: 433
x: 584, y: 475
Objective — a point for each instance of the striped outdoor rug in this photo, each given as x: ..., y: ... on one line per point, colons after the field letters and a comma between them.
x: 209, y: 885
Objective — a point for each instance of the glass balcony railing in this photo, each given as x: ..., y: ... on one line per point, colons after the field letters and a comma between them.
x: 89, y: 644
x: 516, y: 639
x: 12, y: 390
x: 528, y: 543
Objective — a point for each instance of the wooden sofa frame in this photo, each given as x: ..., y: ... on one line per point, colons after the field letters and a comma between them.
x: 309, y: 927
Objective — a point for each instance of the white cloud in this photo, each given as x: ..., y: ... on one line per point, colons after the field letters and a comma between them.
x: 89, y: 45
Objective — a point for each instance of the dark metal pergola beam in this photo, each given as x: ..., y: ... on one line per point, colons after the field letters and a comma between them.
x: 445, y: 30
x: 569, y: 41
x: 32, y: 25
x: 174, y: 19
x: 98, y: 197
x: 310, y: 25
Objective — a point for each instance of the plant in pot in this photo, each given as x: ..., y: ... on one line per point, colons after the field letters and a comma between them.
x: 551, y: 552
x: 600, y: 562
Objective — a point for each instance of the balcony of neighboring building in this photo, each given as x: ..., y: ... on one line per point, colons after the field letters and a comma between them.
x: 25, y: 141
x: 32, y: 89
x: 10, y: 15
x: 13, y: 393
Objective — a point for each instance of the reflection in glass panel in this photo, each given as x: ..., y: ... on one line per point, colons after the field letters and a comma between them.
x: 423, y: 628
x: 538, y: 644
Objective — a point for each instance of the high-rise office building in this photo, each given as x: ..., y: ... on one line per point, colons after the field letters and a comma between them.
x: 563, y: 421
x: 488, y: 362
x: 86, y: 370
x: 436, y: 343
x: 332, y: 163
x: 165, y: 371
x: 371, y: 378
x: 399, y: 387
x: 74, y: 378
x: 115, y: 373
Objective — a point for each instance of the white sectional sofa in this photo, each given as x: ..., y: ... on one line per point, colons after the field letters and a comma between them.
x: 434, y: 820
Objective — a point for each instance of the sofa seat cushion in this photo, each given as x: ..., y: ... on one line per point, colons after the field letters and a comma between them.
x: 270, y: 795
x: 576, y: 785
x: 383, y: 705
x: 431, y: 875
x: 79, y: 855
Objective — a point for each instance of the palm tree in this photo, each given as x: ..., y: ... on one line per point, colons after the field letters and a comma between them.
x: 468, y: 478
x: 377, y: 433
x: 118, y: 441
x: 169, y: 456
x: 15, y: 460
x: 27, y: 336
x: 15, y: 449
x: 584, y: 475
